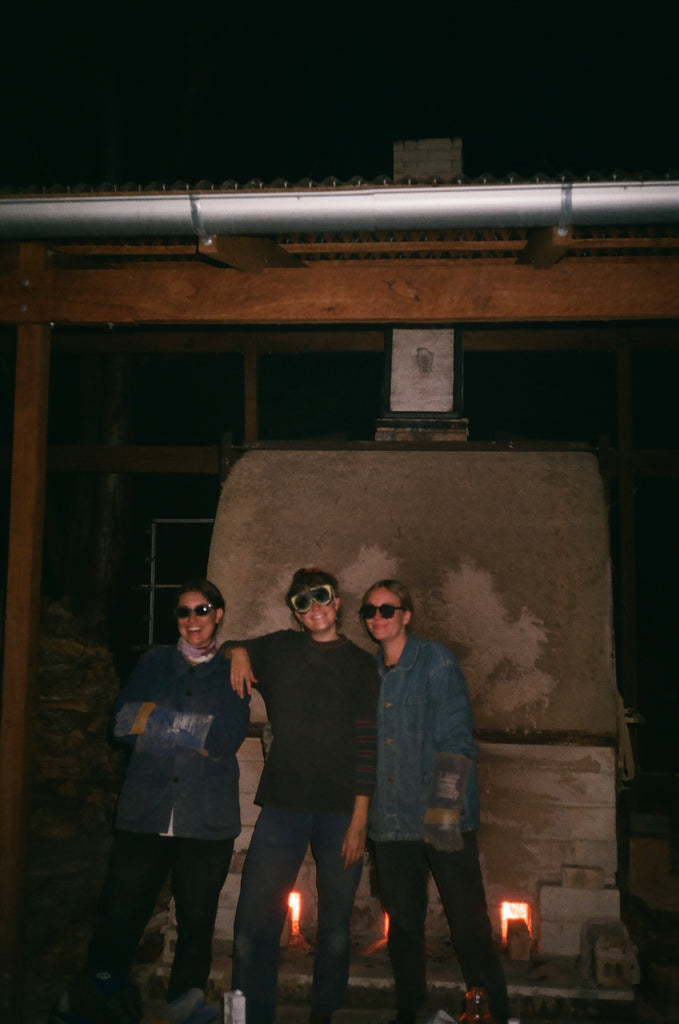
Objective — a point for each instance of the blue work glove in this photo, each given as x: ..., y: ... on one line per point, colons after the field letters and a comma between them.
x: 162, y: 727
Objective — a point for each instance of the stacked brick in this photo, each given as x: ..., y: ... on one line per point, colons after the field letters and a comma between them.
x: 424, y: 159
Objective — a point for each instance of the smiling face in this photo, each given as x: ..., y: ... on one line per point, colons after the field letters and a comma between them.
x: 387, y: 631
x: 320, y: 620
x: 197, y: 630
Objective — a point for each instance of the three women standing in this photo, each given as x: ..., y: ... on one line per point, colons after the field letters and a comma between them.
x: 179, y: 811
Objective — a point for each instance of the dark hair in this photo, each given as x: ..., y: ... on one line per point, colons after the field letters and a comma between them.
x: 396, y: 587
x: 305, y: 579
x: 204, y: 587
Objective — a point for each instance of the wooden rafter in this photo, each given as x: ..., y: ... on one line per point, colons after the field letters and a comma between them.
x: 255, y: 254
x: 252, y: 255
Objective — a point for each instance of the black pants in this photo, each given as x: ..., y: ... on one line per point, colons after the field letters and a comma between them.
x: 402, y: 871
x: 138, y: 866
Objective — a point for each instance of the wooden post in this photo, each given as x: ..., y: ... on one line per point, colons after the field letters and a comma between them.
x: 21, y: 652
x: 251, y: 413
x: 628, y: 602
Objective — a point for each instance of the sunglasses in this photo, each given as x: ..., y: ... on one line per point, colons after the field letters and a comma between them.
x: 183, y: 611
x: 323, y: 594
x: 387, y: 611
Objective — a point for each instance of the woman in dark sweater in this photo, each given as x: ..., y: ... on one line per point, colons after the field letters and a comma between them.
x: 320, y: 691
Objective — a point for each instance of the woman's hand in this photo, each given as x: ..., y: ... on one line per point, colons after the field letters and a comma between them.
x: 242, y: 678
x: 353, y: 845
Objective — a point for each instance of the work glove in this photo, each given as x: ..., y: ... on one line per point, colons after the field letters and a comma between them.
x: 444, y: 804
x: 162, y: 727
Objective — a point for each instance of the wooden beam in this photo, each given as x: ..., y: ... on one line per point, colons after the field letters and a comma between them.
x: 444, y: 246
x: 183, y: 459
x: 644, y: 463
x: 122, y: 250
x: 545, y: 247
x: 596, y: 337
x: 655, y: 464
x: 252, y: 255
x: 602, y: 337
x: 465, y: 291
x: 251, y: 426
x: 20, y: 652
x: 217, y: 339
x: 209, y: 460
x: 627, y: 541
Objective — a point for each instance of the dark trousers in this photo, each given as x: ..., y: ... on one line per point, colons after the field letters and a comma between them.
x: 138, y: 865
x: 402, y: 871
x: 275, y: 855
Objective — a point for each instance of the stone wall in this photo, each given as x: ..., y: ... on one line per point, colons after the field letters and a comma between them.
x: 76, y: 781
x: 77, y: 770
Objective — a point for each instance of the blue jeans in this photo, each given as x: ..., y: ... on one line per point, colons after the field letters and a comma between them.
x: 138, y: 866
x: 276, y: 852
x: 402, y: 871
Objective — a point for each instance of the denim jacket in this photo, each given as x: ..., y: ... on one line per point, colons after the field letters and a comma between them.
x: 423, y: 709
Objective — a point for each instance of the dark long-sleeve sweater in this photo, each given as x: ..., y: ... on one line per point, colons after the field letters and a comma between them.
x: 321, y: 701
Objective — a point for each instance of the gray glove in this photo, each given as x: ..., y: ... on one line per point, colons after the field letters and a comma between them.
x: 444, y: 804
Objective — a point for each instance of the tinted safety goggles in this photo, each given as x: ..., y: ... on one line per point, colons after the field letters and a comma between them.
x: 322, y: 594
x: 183, y: 611
x: 369, y: 611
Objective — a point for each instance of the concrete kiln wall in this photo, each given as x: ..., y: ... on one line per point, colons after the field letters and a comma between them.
x: 507, y: 557
x: 506, y: 554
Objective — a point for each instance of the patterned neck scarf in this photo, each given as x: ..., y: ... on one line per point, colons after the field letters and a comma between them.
x: 196, y: 655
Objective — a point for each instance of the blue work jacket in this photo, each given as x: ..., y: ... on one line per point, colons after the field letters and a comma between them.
x: 197, y: 790
x: 423, y: 709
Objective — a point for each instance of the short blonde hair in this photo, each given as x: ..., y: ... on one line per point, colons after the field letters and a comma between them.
x: 396, y: 587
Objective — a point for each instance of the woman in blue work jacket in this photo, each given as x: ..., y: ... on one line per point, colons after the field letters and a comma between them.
x: 178, y: 814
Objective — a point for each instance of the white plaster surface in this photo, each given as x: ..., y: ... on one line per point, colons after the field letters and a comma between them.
x: 506, y: 554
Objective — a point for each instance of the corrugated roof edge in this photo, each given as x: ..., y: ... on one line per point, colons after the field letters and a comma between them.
x: 331, y: 182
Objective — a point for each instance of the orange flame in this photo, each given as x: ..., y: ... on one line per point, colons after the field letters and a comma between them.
x: 512, y: 912
x: 294, y: 902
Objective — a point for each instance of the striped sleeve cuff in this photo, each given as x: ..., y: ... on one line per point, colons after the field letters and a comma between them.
x: 366, y: 756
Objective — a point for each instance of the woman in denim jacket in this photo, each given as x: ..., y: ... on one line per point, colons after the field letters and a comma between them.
x: 425, y: 810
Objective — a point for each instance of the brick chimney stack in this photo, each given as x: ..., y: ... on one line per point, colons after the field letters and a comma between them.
x: 423, y: 159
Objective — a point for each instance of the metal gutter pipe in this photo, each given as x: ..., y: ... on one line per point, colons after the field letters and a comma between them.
x: 366, y: 209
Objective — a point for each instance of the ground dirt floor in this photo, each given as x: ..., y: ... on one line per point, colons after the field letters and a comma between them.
x: 66, y: 874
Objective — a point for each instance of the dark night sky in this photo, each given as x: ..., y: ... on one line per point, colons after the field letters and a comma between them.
x: 241, y: 91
